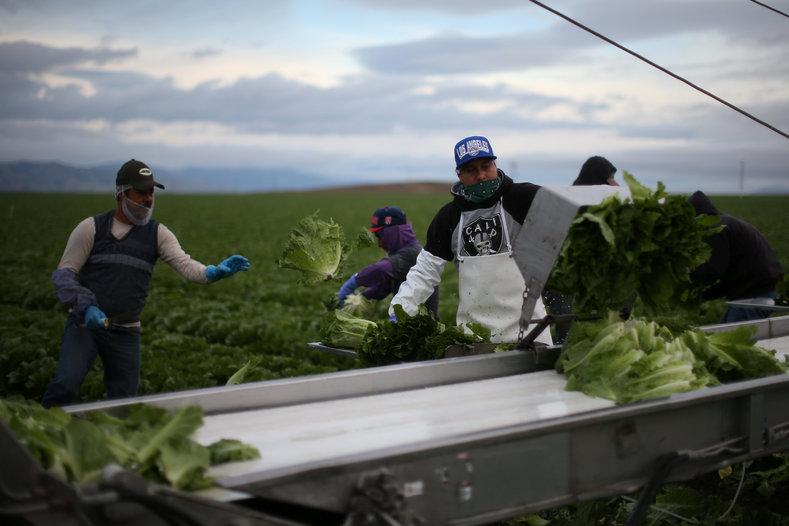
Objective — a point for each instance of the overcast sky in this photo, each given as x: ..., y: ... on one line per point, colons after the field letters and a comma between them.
x: 382, y: 90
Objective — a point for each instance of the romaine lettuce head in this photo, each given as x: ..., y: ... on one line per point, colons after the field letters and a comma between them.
x: 344, y: 330
x: 316, y: 248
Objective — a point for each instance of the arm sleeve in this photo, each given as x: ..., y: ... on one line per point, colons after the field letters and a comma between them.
x: 377, y: 278
x: 78, y: 246
x: 709, y: 272
x: 423, y: 277
x: 439, y: 233
x: 68, y: 289
x: 170, y: 252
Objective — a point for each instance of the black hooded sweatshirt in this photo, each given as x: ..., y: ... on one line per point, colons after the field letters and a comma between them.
x: 596, y: 170
x: 742, y: 262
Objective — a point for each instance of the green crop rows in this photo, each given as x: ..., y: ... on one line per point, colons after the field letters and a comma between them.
x: 198, y: 336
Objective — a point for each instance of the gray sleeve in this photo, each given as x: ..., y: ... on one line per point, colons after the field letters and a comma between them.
x: 68, y: 289
x: 78, y: 246
x: 170, y: 252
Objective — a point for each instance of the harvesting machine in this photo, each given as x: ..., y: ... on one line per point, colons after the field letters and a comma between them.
x: 465, y: 440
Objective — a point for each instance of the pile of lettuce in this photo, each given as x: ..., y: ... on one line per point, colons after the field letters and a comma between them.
x: 647, y: 244
x: 415, y: 338
x: 627, y: 361
x: 153, y: 442
x: 318, y: 249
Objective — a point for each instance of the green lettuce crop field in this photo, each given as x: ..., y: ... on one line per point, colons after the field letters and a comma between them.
x: 200, y: 335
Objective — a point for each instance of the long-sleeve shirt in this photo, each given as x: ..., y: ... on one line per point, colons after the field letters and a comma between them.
x: 80, y: 244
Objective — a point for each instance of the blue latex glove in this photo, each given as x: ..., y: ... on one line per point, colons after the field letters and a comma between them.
x: 227, y: 268
x: 346, y: 289
x: 95, y: 319
x: 393, y: 318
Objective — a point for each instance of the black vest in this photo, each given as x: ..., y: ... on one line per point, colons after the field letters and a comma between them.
x: 118, y: 271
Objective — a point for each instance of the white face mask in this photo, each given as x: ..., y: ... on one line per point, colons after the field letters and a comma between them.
x: 136, y: 213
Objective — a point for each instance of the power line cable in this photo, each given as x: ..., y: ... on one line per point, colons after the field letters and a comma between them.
x: 770, y: 8
x: 661, y: 68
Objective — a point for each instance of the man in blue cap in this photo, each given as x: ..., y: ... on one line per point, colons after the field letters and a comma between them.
x: 396, y: 236
x: 476, y: 230
x: 103, y: 278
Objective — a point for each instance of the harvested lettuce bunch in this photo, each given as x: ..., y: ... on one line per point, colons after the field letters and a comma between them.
x: 639, y: 359
x: 647, y: 244
x: 415, y: 338
x: 315, y: 248
x: 343, y: 330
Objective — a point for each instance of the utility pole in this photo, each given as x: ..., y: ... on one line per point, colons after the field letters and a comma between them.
x: 742, y: 178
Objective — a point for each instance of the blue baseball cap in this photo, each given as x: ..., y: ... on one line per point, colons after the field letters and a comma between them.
x: 387, y: 216
x: 470, y: 148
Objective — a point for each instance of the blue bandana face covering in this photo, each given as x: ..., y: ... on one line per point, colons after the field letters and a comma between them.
x: 476, y: 193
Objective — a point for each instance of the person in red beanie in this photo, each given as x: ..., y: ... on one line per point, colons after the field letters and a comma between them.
x: 396, y: 236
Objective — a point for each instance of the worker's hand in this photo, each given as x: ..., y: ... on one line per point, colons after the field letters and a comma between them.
x: 393, y: 318
x: 227, y: 268
x: 346, y: 289
x: 95, y: 319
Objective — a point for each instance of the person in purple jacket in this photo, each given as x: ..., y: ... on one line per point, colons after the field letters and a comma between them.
x: 396, y: 236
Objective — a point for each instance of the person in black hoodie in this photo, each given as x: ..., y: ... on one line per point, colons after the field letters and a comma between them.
x: 596, y: 170
x: 742, y: 264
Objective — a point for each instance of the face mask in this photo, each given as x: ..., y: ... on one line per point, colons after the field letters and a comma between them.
x: 136, y: 213
x: 476, y: 193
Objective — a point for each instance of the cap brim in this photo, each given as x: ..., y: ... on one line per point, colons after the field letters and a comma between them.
x: 376, y: 228
x: 145, y: 187
x: 475, y: 158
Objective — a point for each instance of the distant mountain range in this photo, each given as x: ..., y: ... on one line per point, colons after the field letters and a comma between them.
x: 53, y: 177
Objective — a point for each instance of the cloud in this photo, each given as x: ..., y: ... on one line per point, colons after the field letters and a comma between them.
x: 30, y: 57
x: 459, y: 55
x: 266, y: 104
x: 388, y: 93
x: 204, y: 53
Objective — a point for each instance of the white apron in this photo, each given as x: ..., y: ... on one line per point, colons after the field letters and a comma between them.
x: 491, y: 291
